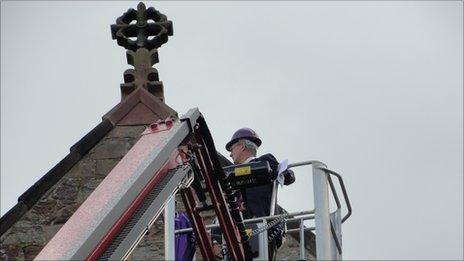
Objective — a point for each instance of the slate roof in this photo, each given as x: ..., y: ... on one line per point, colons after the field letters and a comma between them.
x: 139, y: 108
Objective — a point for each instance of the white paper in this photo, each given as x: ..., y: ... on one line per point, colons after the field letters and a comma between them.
x: 282, y: 168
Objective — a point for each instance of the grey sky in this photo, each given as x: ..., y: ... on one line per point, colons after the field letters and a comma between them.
x: 373, y: 89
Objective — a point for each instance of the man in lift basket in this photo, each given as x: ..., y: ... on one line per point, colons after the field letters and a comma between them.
x: 256, y: 192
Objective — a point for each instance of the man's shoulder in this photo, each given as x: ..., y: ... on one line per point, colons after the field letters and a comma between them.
x: 267, y: 157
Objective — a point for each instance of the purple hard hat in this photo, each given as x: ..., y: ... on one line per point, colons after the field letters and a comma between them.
x: 244, y: 133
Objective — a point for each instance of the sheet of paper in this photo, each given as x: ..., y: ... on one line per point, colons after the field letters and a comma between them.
x: 282, y: 168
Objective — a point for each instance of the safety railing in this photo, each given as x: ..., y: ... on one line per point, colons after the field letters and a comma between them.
x: 327, y: 224
x: 263, y: 222
x: 291, y: 216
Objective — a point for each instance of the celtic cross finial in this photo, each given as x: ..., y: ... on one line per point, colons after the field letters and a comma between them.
x: 141, y: 32
x: 151, y: 28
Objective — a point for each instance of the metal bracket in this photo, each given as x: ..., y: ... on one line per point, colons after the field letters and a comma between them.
x: 160, y: 125
x: 188, y: 179
x: 191, y: 118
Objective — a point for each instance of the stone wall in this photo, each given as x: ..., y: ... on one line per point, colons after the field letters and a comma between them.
x: 25, y: 239
x: 290, y: 250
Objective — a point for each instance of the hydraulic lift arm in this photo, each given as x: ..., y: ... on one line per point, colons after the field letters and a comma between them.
x: 113, y: 219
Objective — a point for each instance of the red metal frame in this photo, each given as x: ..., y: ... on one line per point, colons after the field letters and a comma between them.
x: 171, y: 163
x: 125, y: 169
x: 198, y: 225
x: 229, y: 229
x: 114, y: 231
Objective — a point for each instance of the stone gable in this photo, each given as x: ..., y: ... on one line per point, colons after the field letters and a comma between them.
x: 36, y: 227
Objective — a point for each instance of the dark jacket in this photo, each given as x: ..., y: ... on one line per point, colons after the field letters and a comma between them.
x: 258, y: 199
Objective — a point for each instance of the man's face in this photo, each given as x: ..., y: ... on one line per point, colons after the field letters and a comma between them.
x: 236, y: 151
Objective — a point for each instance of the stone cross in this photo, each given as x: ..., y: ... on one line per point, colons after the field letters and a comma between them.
x: 141, y: 32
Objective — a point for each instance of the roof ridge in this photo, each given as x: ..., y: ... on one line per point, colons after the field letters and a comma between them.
x: 123, y: 107
x: 155, y: 104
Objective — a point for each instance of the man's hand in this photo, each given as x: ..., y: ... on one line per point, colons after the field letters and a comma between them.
x: 289, y: 177
x: 241, y: 206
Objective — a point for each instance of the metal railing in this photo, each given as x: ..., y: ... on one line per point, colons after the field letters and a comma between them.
x: 295, y: 216
x: 291, y: 216
x: 332, y: 187
x: 328, y: 224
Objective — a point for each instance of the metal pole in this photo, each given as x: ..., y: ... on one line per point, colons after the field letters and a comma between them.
x: 169, y: 228
x: 322, y: 218
x: 302, y: 240
x: 265, y: 243
x: 306, y: 215
x: 273, y: 198
x: 302, y: 163
x: 298, y: 229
